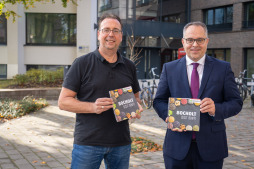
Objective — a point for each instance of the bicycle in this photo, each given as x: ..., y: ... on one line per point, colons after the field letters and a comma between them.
x: 147, y: 93
x: 242, y: 85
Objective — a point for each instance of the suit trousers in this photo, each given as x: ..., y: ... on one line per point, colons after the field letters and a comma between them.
x: 193, y: 160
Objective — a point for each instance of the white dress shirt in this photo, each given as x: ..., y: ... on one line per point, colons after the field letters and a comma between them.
x: 200, y: 68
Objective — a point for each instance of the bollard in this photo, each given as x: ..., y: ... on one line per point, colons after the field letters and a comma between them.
x: 252, y: 92
x: 252, y: 100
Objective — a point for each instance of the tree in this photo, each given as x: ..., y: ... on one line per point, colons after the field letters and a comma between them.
x: 134, y: 53
x: 26, y: 3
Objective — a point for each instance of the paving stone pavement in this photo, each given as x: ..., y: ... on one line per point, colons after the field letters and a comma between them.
x: 44, y: 140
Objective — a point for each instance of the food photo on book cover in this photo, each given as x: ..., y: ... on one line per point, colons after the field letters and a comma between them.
x: 125, y: 104
x: 184, y: 113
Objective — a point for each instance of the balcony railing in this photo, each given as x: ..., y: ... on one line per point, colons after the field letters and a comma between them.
x: 143, y: 2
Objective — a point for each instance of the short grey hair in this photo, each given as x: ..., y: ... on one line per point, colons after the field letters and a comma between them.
x: 197, y: 23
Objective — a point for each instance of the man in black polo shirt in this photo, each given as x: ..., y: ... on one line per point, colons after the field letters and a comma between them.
x: 97, y: 135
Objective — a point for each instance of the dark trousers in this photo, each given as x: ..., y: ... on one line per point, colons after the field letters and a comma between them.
x: 191, y: 161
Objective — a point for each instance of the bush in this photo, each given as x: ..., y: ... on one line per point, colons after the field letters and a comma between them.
x: 20, y: 79
x: 38, y: 76
x: 10, y: 108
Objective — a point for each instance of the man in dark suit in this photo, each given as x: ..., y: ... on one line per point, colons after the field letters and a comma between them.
x: 219, y: 96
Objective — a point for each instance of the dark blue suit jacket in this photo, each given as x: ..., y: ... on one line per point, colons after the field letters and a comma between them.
x: 218, y: 83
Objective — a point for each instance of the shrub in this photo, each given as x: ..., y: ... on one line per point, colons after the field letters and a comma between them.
x: 10, y: 108
x: 20, y: 79
x: 38, y: 76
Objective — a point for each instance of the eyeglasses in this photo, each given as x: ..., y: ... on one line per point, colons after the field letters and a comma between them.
x: 107, y: 31
x: 199, y: 41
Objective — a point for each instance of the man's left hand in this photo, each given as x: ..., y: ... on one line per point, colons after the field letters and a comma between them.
x: 138, y: 115
x: 207, y: 106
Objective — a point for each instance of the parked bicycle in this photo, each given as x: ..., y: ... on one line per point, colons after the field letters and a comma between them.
x: 148, y: 92
x: 242, y: 85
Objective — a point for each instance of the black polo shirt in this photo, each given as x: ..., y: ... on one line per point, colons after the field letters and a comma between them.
x: 92, y: 77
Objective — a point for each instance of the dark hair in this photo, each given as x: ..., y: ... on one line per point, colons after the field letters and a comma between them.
x: 111, y: 16
x: 197, y: 23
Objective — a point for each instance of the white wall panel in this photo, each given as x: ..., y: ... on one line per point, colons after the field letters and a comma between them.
x: 49, y: 55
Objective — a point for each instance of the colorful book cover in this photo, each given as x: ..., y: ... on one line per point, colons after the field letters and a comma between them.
x: 125, y: 104
x: 184, y: 113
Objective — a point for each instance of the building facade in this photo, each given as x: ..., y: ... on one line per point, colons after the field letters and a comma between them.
x: 231, y: 31
x: 47, y: 36
x: 50, y: 36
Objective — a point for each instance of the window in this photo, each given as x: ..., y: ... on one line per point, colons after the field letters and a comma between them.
x: 3, y: 71
x: 248, y: 15
x: 44, y: 67
x: 50, y: 29
x: 249, y: 62
x: 3, y: 30
x: 221, y: 54
x: 172, y: 18
x: 104, y: 5
x: 219, y: 19
x: 147, y: 10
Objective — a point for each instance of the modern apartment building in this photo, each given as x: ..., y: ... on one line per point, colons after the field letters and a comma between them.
x: 50, y: 36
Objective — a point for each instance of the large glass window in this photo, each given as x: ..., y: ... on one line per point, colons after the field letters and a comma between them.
x: 249, y: 15
x: 3, y: 71
x: 229, y: 15
x: 45, y: 67
x: 50, y: 29
x: 3, y: 30
x: 219, y: 18
x: 104, y: 5
x: 130, y: 9
x: 221, y: 54
x: 147, y: 10
x: 209, y: 17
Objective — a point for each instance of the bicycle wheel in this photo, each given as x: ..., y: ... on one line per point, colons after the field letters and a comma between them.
x: 243, y: 93
x: 146, y: 98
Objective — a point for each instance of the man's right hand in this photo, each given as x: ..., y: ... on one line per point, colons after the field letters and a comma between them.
x: 102, y: 104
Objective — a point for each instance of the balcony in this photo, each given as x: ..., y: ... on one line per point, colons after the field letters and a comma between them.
x: 153, y: 28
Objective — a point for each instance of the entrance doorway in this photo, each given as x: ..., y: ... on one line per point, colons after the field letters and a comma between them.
x: 150, y: 57
x: 168, y: 55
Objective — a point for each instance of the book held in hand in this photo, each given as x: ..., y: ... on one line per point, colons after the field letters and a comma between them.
x: 125, y: 104
x: 184, y: 113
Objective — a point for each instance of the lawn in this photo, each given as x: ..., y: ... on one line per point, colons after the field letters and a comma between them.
x: 5, y: 83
